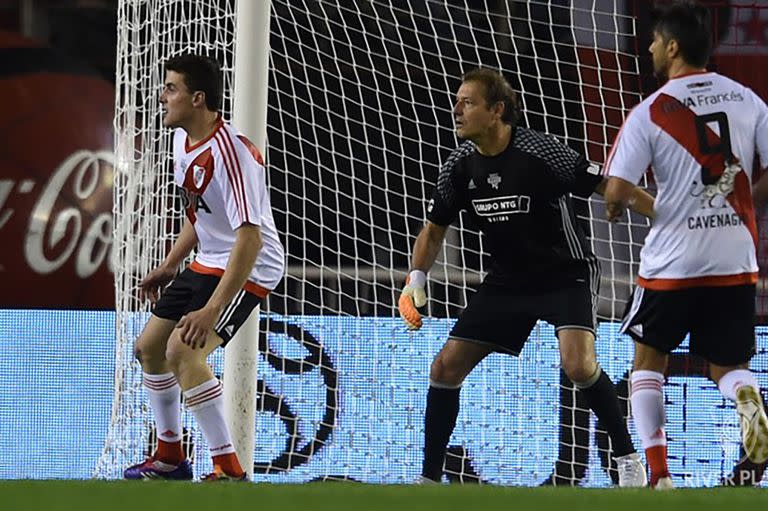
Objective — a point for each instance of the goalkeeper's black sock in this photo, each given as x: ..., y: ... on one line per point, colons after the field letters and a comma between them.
x: 439, y: 421
x: 603, y: 400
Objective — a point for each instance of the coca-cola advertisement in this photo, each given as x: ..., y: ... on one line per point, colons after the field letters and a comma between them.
x: 56, y: 180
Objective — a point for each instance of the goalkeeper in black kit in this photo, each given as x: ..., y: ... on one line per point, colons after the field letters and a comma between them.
x: 516, y: 185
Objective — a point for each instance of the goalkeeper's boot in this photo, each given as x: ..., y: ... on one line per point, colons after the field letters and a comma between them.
x: 664, y: 483
x: 754, y: 423
x: 218, y: 475
x: 424, y: 480
x: 631, y: 471
x: 155, y: 469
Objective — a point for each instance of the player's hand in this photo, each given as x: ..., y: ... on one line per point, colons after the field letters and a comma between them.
x: 194, y: 326
x: 614, y: 211
x: 413, y: 296
x: 157, y: 279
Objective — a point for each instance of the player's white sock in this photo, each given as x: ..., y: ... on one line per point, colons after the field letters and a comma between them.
x: 648, y: 407
x: 647, y: 400
x: 165, y: 399
x: 732, y: 380
x: 206, y: 402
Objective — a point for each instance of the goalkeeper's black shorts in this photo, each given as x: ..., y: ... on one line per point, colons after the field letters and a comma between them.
x: 503, y: 318
x: 721, y: 321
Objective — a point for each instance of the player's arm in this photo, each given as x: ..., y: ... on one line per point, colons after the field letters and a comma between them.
x: 628, y: 160
x: 447, y: 200
x: 196, y: 325
x: 760, y: 190
x: 639, y: 201
x: 182, y: 247
x: 572, y: 173
x: 428, y: 244
x: 618, y: 194
x: 150, y: 286
x: 244, y: 253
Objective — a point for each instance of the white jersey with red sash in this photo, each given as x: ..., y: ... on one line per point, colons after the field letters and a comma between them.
x: 224, y: 186
x: 699, y: 134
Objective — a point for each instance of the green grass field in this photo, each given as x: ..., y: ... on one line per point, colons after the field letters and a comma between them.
x: 142, y: 496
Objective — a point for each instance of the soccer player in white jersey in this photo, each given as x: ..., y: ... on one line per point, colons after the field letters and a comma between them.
x: 699, y: 133
x: 515, y: 185
x: 239, y: 260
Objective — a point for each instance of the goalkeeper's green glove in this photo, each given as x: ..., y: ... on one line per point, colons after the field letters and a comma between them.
x: 413, y: 296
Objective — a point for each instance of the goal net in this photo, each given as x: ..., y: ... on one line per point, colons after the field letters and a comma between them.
x: 359, y: 121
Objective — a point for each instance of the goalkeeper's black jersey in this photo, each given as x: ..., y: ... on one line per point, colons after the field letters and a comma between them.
x: 521, y: 201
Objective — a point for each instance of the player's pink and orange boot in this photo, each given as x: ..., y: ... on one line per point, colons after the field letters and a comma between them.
x: 226, y: 467
x: 219, y: 475
x: 156, y: 469
x: 168, y: 462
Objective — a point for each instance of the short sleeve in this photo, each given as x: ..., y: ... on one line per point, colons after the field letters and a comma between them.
x: 449, y: 196
x: 242, y: 181
x: 576, y: 175
x: 631, y: 154
x: 564, y: 170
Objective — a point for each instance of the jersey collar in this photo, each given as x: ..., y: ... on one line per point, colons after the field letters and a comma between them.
x: 189, y: 148
x: 692, y: 73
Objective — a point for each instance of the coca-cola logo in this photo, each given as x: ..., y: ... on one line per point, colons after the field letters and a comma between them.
x: 65, y: 227
x: 54, y: 236
x: 55, y: 181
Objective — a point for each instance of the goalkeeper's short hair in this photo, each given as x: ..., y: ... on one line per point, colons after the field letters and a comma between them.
x: 497, y: 89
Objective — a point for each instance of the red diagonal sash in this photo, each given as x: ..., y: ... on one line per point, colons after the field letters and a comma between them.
x: 679, y: 122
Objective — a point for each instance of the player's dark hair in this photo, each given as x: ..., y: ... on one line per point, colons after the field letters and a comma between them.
x: 690, y: 25
x: 200, y: 74
x: 497, y: 89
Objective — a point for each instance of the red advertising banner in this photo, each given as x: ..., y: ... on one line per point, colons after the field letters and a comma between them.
x: 56, y: 140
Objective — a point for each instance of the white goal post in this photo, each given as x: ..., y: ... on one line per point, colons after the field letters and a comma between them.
x: 250, y: 116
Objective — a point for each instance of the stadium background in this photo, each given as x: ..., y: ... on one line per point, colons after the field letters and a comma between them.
x: 57, y: 329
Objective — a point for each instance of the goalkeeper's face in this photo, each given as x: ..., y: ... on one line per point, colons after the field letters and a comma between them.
x: 471, y: 113
x: 177, y: 101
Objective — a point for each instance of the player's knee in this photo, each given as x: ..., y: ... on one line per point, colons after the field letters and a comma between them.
x: 149, y: 351
x: 176, y: 353
x: 146, y: 357
x: 446, y: 371
x: 579, y: 369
